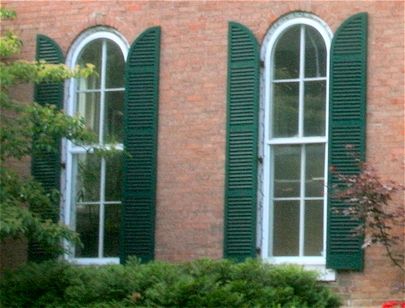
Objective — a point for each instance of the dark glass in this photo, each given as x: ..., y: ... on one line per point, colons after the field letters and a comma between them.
x: 114, y: 117
x: 314, y: 170
x: 113, y: 181
x: 285, y: 109
x: 287, y: 162
x: 315, y: 53
x: 114, y: 67
x: 112, y: 230
x: 88, y: 107
x: 314, y: 108
x: 87, y: 223
x: 287, y: 54
x: 313, y: 236
x: 91, y: 54
x: 286, y: 228
x: 87, y: 167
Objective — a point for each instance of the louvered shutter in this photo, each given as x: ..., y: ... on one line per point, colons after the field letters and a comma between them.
x: 241, y: 153
x: 46, y: 165
x: 347, y: 127
x: 140, y: 144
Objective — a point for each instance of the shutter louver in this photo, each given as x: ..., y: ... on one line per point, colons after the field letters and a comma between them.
x: 140, y: 144
x: 45, y: 165
x: 241, y: 155
x: 347, y: 132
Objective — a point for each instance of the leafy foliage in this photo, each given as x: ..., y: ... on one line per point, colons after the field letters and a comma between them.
x: 201, y: 283
x: 21, y: 198
x: 369, y: 200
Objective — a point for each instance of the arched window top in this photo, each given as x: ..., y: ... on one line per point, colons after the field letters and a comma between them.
x: 99, y: 98
x: 290, y: 20
x: 96, y: 33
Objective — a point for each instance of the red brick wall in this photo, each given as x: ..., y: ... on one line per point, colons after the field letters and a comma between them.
x: 192, y: 113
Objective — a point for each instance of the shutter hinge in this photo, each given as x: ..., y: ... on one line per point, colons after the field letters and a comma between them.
x: 261, y: 64
x: 260, y: 159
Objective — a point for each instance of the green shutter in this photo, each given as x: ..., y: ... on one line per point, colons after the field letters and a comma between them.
x: 347, y: 127
x: 140, y: 144
x: 241, y: 138
x: 45, y: 166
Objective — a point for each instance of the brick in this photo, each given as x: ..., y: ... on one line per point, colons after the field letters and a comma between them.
x: 193, y: 106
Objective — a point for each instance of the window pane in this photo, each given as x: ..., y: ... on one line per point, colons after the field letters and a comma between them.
x: 88, y: 107
x: 315, y: 53
x: 314, y: 170
x: 91, y: 54
x: 287, y: 54
x: 286, y: 228
x: 115, y: 66
x: 87, y: 224
x: 285, y: 109
x: 113, y: 124
x: 313, y: 238
x: 113, y: 181
x: 87, y: 177
x: 112, y: 230
x: 287, y: 161
x: 314, y: 109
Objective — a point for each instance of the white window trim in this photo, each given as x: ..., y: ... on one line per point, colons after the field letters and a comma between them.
x: 68, y: 148
x: 268, y: 46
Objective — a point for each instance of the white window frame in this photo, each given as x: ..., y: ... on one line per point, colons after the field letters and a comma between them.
x: 267, y: 54
x: 69, y: 148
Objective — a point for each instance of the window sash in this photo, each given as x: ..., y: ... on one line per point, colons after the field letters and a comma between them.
x: 72, y: 150
x: 270, y: 141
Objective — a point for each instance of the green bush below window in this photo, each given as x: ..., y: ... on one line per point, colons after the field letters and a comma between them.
x: 202, y: 283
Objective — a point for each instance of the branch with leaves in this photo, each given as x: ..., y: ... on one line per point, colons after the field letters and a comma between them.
x: 21, y: 198
x: 369, y: 200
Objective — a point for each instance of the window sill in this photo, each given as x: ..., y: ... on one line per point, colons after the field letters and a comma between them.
x: 94, y: 261
x: 312, y: 264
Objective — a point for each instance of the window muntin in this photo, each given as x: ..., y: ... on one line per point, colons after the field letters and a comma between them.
x: 296, y: 81
x: 94, y: 184
x: 299, y: 85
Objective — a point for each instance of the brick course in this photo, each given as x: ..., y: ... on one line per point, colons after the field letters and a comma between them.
x: 192, y: 114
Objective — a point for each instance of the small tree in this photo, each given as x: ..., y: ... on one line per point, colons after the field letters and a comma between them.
x: 21, y: 197
x: 369, y: 200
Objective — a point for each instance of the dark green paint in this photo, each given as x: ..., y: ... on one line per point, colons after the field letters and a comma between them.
x: 347, y: 128
x: 140, y: 144
x: 45, y: 166
x: 242, y: 143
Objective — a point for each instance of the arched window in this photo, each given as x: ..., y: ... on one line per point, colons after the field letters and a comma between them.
x: 93, y: 183
x: 296, y: 56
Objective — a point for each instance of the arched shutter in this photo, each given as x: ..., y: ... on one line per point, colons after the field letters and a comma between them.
x: 241, y: 138
x: 140, y: 145
x: 347, y: 127
x: 45, y: 165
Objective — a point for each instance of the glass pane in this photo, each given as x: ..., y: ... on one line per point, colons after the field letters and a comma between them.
x: 113, y: 125
x: 91, y: 54
x: 88, y: 107
x: 87, y: 223
x: 113, y: 181
x: 313, y: 237
x: 115, y: 66
x: 87, y: 177
x: 315, y: 53
x: 285, y: 109
x: 287, y: 54
x: 287, y: 161
x: 286, y: 228
x: 112, y: 230
x: 314, y: 108
x: 314, y: 170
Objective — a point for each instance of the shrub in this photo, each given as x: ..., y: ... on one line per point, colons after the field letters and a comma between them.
x: 202, y: 283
